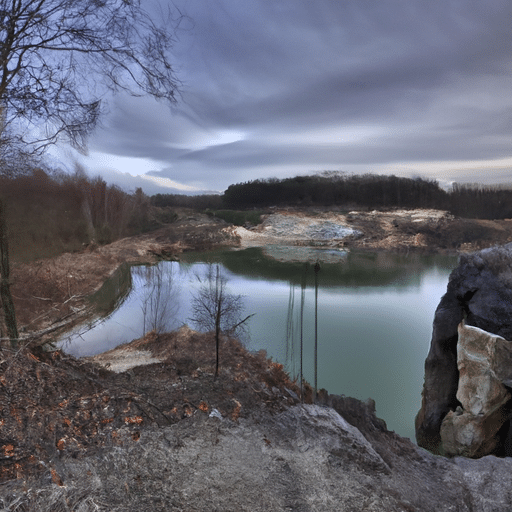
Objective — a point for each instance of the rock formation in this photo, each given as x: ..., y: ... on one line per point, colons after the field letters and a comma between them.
x: 480, y: 294
x: 472, y: 429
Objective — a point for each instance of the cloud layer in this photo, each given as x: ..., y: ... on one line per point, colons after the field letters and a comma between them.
x: 282, y: 88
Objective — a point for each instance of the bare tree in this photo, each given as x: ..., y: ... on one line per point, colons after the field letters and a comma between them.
x: 59, y: 59
x: 159, y: 296
x: 215, y: 310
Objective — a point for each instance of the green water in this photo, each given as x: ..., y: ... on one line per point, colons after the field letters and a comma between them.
x: 375, y: 313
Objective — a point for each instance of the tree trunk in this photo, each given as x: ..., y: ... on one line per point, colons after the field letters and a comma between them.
x: 217, y: 339
x: 5, y: 290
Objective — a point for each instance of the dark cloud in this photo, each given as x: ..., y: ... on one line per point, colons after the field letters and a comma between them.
x: 269, y: 87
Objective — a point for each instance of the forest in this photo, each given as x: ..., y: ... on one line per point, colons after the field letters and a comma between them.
x: 51, y: 212
x: 331, y: 189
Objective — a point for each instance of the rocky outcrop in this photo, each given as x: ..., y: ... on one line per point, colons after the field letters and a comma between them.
x: 479, y: 293
x: 483, y: 360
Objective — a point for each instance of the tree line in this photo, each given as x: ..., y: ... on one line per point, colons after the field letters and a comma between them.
x: 47, y: 213
x: 481, y: 201
x: 199, y: 202
x: 347, y: 191
x: 336, y: 189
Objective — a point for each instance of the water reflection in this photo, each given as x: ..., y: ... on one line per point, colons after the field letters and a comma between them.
x: 350, y: 270
x: 375, y: 315
x: 113, y: 291
x: 151, y: 301
x: 157, y: 291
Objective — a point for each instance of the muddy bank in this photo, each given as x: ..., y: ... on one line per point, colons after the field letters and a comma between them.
x: 52, y: 294
x: 429, y: 231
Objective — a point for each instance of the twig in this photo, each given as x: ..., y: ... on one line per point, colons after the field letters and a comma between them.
x: 73, y: 297
x: 70, y: 314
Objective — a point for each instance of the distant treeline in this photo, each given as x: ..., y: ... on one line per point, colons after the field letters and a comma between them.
x: 50, y: 212
x: 481, y: 202
x: 202, y: 202
x: 368, y: 191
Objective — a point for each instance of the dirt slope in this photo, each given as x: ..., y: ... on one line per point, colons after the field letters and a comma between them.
x: 54, y: 406
x: 395, y: 230
x: 51, y: 294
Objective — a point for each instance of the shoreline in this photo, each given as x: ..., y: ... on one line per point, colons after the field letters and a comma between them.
x: 51, y: 294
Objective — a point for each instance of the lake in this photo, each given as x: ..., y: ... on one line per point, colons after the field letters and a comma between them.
x: 375, y: 313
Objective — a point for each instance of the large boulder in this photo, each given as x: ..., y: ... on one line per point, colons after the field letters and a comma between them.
x: 480, y: 293
x: 472, y: 430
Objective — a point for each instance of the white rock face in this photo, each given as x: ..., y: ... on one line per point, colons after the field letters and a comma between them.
x: 472, y: 429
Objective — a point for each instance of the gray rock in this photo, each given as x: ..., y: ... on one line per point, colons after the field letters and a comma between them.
x: 307, y: 458
x: 488, y: 481
x: 480, y: 292
x: 215, y: 414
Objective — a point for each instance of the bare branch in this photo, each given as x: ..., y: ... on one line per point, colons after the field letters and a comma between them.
x: 59, y: 60
x: 215, y: 310
x: 239, y: 324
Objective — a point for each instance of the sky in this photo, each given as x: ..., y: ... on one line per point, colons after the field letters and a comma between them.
x: 281, y: 88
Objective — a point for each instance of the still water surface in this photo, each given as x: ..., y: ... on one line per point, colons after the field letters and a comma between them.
x: 375, y: 313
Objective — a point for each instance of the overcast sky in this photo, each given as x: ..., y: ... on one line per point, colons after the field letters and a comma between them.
x: 280, y: 88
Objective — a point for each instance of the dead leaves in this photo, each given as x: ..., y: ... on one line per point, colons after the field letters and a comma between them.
x: 8, y: 450
x: 236, y: 412
x: 133, y: 420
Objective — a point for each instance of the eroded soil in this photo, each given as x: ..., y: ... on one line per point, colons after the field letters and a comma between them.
x: 54, y: 406
x: 395, y: 230
x: 51, y: 294
x: 430, y: 231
